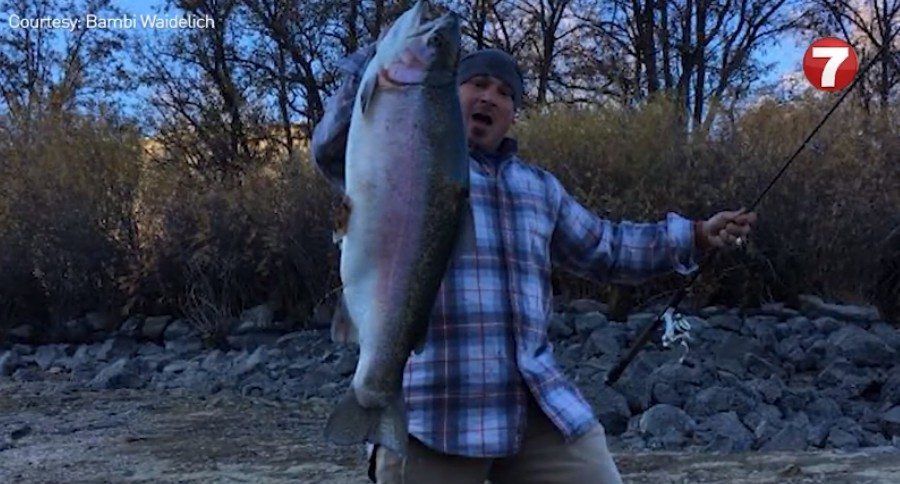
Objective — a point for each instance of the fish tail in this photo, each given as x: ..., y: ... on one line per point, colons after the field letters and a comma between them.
x: 351, y: 423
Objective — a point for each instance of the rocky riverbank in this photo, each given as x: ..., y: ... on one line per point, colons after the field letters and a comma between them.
x: 773, y: 379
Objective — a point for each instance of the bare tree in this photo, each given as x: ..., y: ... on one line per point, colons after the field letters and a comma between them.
x: 45, y: 71
x: 699, y: 50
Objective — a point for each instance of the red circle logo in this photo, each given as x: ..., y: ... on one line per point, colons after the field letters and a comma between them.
x: 830, y: 64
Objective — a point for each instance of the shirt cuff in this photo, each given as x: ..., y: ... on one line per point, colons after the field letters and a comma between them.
x: 680, y: 234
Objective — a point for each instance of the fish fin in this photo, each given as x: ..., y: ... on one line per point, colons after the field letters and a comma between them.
x: 341, y: 220
x: 350, y: 423
x: 343, y: 330
x: 367, y: 92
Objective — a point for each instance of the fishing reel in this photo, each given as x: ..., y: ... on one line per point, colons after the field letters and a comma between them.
x: 676, y: 331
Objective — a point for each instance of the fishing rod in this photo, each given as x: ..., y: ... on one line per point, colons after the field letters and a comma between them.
x: 667, y: 314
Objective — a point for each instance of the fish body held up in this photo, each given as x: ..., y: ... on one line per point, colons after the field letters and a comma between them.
x: 406, y: 202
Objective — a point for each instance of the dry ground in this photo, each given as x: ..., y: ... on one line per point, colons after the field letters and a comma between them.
x: 65, y: 434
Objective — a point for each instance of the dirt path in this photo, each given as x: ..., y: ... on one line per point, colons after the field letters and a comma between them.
x: 55, y: 432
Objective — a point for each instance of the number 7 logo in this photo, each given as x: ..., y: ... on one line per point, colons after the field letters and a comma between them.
x: 830, y: 64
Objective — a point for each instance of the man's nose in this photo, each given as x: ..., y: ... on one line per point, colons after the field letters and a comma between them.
x: 487, y: 97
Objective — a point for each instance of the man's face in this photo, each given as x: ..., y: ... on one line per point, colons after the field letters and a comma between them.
x: 488, y: 111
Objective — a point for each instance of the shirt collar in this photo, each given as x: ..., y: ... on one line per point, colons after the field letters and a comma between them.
x: 508, y: 148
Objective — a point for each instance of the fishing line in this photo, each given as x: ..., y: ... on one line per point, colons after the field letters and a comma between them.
x: 648, y: 331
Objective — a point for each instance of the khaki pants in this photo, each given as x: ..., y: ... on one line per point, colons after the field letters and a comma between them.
x: 543, y: 458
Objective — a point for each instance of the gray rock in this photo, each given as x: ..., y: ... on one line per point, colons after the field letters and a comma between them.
x: 28, y: 374
x: 762, y: 413
x: 154, y: 327
x: 245, y: 365
x: 841, y: 439
x: 845, y: 379
x: 717, y: 399
x: 776, y: 310
x: 297, y: 370
x: 666, y: 425
x: 252, y: 341
x: 770, y: 389
x: 175, y: 367
x: 638, y: 321
x: 729, y: 353
x: 709, y: 311
x: 761, y: 367
x: 800, y: 326
x: 823, y: 410
x: 604, y: 341
x: 827, y: 325
x: 9, y: 362
x: 587, y: 306
x: 132, y: 326
x: 813, y: 306
x: 791, y: 437
x: 861, y: 347
x: 46, y: 355
x: 149, y: 349
x: 185, y: 347
x: 117, y: 347
x: 260, y: 385
x: 890, y: 422
x: 178, y: 329
x: 155, y: 362
x: 216, y: 362
x: 123, y: 373
x: 725, y: 433
x: 887, y: 333
x: 558, y: 328
x: 319, y: 376
x: 23, y: 349
x: 613, y: 412
x: 587, y: 323
x: 890, y: 391
x: 101, y: 321
x: 726, y: 321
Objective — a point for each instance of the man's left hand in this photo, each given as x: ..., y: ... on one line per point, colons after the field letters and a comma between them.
x: 728, y: 228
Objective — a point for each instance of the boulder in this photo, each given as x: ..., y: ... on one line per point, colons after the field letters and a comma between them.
x: 9, y: 362
x: 890, y: 422
x: 813, y: 306
x: 792, y: 437
x: 587, y: 306
x: 861, y: 347
x: 725, y: 432
x: 587, y: 323
x: 178, y: 329
x: 123, y: 373
x: 613, y: 410
x: 117, y: 347
x: 666, y: 426
x: 154, y: 327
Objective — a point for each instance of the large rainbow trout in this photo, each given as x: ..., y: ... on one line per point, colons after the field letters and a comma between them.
x: 406, y: 197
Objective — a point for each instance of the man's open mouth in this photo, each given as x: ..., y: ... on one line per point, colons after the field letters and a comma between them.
x: 483, y: 119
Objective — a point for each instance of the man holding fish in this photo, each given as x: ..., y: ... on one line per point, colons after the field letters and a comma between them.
x: 448, y: 239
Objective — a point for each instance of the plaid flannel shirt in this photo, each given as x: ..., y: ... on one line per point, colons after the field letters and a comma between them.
x: 487, y: 341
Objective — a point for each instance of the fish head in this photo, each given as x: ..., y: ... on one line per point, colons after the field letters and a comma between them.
x: 418, y: 50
